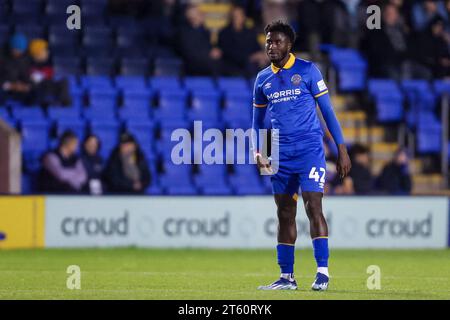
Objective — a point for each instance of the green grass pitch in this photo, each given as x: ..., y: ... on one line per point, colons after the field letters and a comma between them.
x: 132, y: 273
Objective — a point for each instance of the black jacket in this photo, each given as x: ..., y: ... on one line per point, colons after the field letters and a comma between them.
x: 115, y: 179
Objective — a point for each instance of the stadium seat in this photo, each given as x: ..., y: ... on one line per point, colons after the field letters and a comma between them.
x: 28, y: 113
x: 351, y: 68
x: 134, y: 66
x: 232, y: 84
x: 176, y: 180
x: 34, y: 135
x: 61, y: 112
x: 172, y: 104
x: 67, y: 66
x: 199, y: 84
x: 131, y: 82
x: 237, y: 106
x: 108, y: 132
x: 388, y: 99
x: 31, y: 31
x: 165, y: 83
x: 205, y: 105
x: 142, y: 130
x: 78, y: 126
x: 429, y: 138
x: 96, y: 82
x: 100, y: 66
x: 167, y: 67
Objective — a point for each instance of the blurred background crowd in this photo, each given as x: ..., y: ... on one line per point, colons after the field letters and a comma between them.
x: 137, y: 69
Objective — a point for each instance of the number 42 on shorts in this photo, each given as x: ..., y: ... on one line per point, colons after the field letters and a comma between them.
x: 318, y: 177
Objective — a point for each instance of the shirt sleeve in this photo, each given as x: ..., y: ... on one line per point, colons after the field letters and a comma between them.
x: 317, y: 85
x: 259, y: 99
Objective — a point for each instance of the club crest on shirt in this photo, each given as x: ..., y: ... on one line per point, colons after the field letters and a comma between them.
x: 296, y: 78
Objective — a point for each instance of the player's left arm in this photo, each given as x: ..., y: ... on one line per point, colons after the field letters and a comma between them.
x: 320, y: 92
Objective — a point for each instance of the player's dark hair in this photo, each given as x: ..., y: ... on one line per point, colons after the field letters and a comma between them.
x: 283, y: 27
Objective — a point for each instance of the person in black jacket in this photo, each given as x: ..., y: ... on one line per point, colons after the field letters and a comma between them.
x: 93, y: 163
x: 127, y: 169
x: 387, y: 48
x: 395, y: 177
x: 363, y: 181
x: 200, y: 56
x: 242, y: 55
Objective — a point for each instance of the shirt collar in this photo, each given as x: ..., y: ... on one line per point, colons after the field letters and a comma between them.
x: 288, y: 64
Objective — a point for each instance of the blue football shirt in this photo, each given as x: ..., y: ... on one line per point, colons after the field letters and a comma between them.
x: 290, y: 95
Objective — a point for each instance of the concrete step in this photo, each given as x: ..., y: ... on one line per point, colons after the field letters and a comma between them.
x: 427, y: 183
x: 383, y: 150
x: 363, y: 135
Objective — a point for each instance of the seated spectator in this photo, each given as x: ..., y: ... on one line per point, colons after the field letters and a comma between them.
x: 360, y: 173
x: 93, y: 163
x: 46, y: 89
x: 432, y: 51
x: 200, y: 57
x: 242, y: 55
x: 127, y: 169
x: 386, y: 48
x: 426, y: 10
x: 395, y: 177
x: 15, y: 66
x: 62, y: 169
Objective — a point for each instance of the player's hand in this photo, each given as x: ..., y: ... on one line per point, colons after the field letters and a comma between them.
x: 263, y: 165
x: 344, y: 164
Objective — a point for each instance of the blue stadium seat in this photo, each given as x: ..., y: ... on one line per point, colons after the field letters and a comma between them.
x: 237, y: 106
x: 176, y: 180
x: 78, y: 126
x: 167, y: 67
x: 247, y: 185
x: 143, y: 131
x: 139, y: 98
x: 100, y: 66
x: 205, y: 105
x: 172, y: 104
x: 31, y: 31
x: 351, y: 68
x: 28, y: 113
x: 165, y: 83
x: 108, y: 132
x: 441, y: 86
x: 131, y: 82
x: 429, y: 138
x: 27, y: 6
x: 130, y: 112
x: 232, y: 84
x: 199, y: 83
x: 67, y: 66
x: 388, y: 99
x: 34, y: 135
x: 420, y: 94
x: 61, y: 112
x: 96, y: 82
x: 134, y: 66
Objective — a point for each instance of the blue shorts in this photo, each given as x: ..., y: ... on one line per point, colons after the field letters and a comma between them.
x: 303, y: 168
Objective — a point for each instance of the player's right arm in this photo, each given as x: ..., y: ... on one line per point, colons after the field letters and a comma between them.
x: 259, y: 111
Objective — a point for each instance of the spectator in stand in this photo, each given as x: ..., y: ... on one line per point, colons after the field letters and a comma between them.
x: 424, y: 11
x: 127, y: 169
x: 15, y: 71
x: 386, y: 48
x: 432, y: 51
x: 93, y: 163
x: 200, y: 57
x: 242, y: 55
x: 360, y: 174
x: 46, y: 90
x: 62, y: 169
x: 395, y: 177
